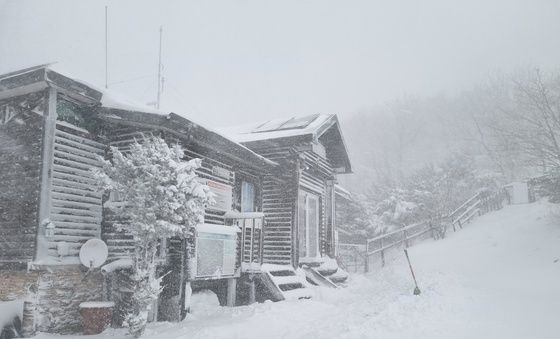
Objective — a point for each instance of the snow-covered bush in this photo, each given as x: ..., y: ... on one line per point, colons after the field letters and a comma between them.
x: 428, y: 194
x: 161, y: 198
x: 547, y: 186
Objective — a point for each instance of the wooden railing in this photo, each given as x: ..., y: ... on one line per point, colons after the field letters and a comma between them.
x: 351, y: 257
x: 375, y: 251
x: 480, y: 203
x: 250, y: 238
x: 382, y: 245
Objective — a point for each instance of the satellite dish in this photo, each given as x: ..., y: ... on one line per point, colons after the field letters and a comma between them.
x: 93, y: 253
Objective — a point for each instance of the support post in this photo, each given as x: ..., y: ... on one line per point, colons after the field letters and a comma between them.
x: 382, y: 254
x: 405, y: 239
x: 252, y: 240
x: 49, y: 127
x: 431, y: 226
x: 252, y: 294
x: 366, y: 258
x: 231, y: 291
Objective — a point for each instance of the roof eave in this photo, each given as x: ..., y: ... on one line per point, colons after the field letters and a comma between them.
x: 35, y: 79
x: 186, y: 129
x: 333, y: 121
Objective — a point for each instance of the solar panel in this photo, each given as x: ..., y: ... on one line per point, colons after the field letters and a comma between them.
x: 270, y: 125
x: 280, y: 125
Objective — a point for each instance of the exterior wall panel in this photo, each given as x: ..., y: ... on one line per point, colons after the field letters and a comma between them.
x: 20, y: 171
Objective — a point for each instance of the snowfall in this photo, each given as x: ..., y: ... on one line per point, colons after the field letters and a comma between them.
x: 499, y: 277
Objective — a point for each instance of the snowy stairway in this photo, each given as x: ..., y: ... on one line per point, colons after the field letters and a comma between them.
x: 316, y: 278
x: 339, y: 277
x: 327, y: 273
x: 285, y: 281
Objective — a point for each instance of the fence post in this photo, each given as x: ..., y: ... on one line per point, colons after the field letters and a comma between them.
x: 431, y: 226
x: 366, y: 258
x: 382, y: 253
x: 405, y: 239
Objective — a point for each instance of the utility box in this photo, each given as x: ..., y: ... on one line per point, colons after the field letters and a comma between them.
x: 517, y: 192
x: 216, y: 251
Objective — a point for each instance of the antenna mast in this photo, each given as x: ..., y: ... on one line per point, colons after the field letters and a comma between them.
x: 160, y: 80
x: 106, y: 63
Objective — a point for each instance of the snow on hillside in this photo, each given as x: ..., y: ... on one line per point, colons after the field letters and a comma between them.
x: 499, y: 277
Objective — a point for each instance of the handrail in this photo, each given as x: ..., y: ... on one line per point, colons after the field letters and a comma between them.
x: 250, y: 249
x: 386, y: 247
x: 467, y: 211
x: 397, y: 231
x: 464, y: 204
x: 478, y: 203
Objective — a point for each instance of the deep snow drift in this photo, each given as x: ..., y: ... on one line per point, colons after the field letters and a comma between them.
x: 499, y: 277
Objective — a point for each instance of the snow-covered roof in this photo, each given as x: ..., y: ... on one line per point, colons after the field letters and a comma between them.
x: 310, y: 128
x: 118, y: 108
x: 217, y: 229
x: 278, y: 128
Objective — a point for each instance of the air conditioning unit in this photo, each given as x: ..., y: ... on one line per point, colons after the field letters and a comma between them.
x: 216, y: 251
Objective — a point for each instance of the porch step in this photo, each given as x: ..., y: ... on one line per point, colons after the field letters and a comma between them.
x: 286, y: 282
x: 339, y: 277
x: 327, y: 274
x: 316, y: 278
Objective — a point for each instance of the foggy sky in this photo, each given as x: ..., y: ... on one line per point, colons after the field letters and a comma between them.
x: 230, y: 62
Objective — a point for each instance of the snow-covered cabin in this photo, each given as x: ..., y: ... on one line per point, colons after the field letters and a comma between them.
x: 299, y: 201
x: 274, y: 212
x: 52, y: 130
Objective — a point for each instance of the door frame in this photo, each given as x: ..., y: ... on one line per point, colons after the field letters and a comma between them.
x: 307, y: 230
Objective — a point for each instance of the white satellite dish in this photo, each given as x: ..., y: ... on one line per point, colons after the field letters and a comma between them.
x: 93, y: 253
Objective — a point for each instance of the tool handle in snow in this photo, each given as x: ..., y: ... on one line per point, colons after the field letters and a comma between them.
x: 410, y: 266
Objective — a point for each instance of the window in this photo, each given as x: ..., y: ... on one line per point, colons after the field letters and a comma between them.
x: 69, y: 112
x: 247, y: 197
x: 74, y: 114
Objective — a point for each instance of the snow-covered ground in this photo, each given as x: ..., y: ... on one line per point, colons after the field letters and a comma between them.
x: 497, y: 278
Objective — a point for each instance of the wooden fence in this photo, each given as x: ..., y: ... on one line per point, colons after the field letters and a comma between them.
x: 377, y: 251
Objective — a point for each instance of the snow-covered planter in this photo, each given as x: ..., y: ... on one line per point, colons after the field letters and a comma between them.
x: 96, y: 316
x: 162, y: 198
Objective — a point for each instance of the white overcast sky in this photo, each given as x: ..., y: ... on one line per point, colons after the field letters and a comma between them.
x: 230, y: 62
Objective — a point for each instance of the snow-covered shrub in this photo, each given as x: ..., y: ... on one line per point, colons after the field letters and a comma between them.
x: 161, y: 198
x: 547, y: 186
x: 428, y: 194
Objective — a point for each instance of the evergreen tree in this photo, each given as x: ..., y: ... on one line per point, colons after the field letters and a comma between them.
x: 161, y: 198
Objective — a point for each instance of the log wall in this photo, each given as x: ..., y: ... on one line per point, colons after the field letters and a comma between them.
x: 75, y: 201
x: 280, y: 196
x: 20, y: 169
x: 120, y: 244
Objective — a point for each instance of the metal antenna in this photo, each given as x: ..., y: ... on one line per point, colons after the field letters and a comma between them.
x: 106, y: 59
x: 159, y: 70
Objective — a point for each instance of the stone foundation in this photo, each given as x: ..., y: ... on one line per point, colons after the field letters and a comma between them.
x: 57, y: 292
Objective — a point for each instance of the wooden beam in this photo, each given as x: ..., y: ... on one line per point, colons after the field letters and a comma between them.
x: 47, y: 154
x: 23, y: 90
